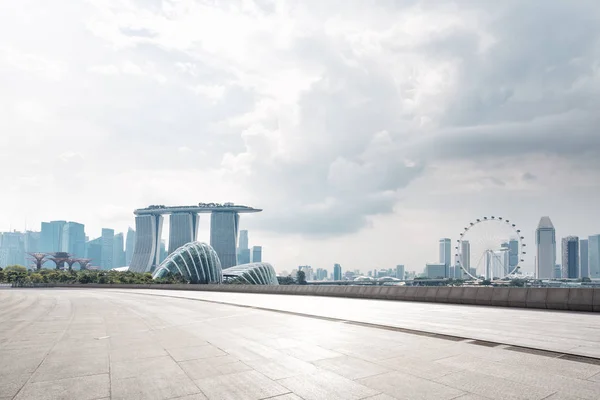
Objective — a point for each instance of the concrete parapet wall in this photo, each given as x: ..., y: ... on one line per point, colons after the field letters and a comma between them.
x: 574, y: 299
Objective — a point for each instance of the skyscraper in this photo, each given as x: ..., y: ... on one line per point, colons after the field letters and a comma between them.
x: 256, y: 254
x: 73, y: 239
x: 337, y: 272
x: 545, y: 239
x: 146, y: 253
x: 583, y: 258
x: 94, y: 251
x: 243, y: 239
x: 108, y: 236
x: 243, y: 252
x: 183, y: 229
x: 446, y: 254
x: 13, y: 245
x: 465, y: 251
x: 129, y: 246
x: 51, y: 236
x: 594, y: 256
x: 570, y: 257
x: 400, y: 272
x: 513, y: 255
x: 118, y: 252
x: 224, y: 227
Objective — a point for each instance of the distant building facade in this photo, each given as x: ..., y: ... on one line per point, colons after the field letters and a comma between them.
x: 256, y: 254
x: 73, y: 239
x: 545, y: 239
x: 570, y: 257
x: 594, y: 256
x: 108, y: 236
x: 337, y: 272
x: 118, y: 251
x: 129, y: 246
x: 446, y: 254
x: 400, y: 271
x: 437, y: 270
x: 584, y: 258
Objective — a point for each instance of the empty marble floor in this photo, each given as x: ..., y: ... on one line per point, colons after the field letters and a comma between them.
x: 102, y: 344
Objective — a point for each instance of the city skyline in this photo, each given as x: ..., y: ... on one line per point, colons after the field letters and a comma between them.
x: 108, y: 246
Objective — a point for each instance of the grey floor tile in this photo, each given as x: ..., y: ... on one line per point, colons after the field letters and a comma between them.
x: 199, y: 369
x: 59, y: 367
x: 195, y: 352
x: 417, y: 367
x: 326, y: 385
x: 82, y: 388
x: 152, y: 367
x: 405, y: 386
x: 153, y: 388
x: 10, y: 384
x: 284, y: 367
x: 250, y: 385
x: 350, y: 367
x: 493, y: 387
x: 310, y: 353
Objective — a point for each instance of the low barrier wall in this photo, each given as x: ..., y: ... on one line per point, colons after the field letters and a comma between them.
x: 574, y: 299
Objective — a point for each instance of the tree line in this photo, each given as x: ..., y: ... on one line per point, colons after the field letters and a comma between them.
x: 22, y: 276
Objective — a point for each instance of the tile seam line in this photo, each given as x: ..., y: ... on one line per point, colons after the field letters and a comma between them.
x: 411, y: 331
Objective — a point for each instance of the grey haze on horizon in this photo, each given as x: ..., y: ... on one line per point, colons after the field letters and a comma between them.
x: 365, y: 130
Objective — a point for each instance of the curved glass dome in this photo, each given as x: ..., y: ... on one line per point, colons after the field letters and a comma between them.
x: 197, y: 262
x: 252, y: 274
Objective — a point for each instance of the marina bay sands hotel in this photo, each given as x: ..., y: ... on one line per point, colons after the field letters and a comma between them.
x: 184, y: 220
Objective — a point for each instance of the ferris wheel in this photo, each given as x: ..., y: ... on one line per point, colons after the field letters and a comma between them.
x: 490, y: 248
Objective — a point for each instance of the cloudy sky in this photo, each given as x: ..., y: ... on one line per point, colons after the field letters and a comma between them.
x: 366, y: 130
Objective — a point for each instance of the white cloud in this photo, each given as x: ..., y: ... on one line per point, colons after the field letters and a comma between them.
x: 373, y: 126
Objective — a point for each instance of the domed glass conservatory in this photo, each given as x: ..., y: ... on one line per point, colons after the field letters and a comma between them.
x: 197, y: 262
x: 259, y: 273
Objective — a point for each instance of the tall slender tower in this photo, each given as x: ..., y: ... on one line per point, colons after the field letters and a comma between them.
x: 446, y: 254
x: 570, y: 257
x: 583, y: 259
x: 545, y: 239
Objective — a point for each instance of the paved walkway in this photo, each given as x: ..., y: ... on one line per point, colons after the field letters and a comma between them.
x: 102, y: 344
x: 561, y: 331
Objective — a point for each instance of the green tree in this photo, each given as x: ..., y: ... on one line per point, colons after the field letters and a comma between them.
x: 15, y: 273
x: 285, y: 280
x: 486, y: 282
x: 301, y: 278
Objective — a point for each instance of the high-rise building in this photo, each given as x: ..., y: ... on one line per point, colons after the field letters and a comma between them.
x: 337, y: 272
x: 108, y: 236
x: 321, y: 274
x: 570, y: 257
x: 129, y: 246
x: 118, y: 252
x: 256, y: 254
x: 584, y: 258
x: 31, y: 242
x: 513, y: 255
x: 594, y: 256
x: 224, y: 227
x: 146, y: 253
x: 94, y: 252
x: 545, y: 239
x: 13, y: 245
x: 183, y: 229
x: 51, y: 236
x: 465, y: 251
x: 163, y: 251
x: 243, y: 252
x: 437, y: 270
x: 243, y: 239
x: 446, y: 254
x: 558, y: 271
x: 73, y: 239
x: 400, y: 272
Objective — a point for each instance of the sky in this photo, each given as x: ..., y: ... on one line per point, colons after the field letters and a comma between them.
x: 366, y: 130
